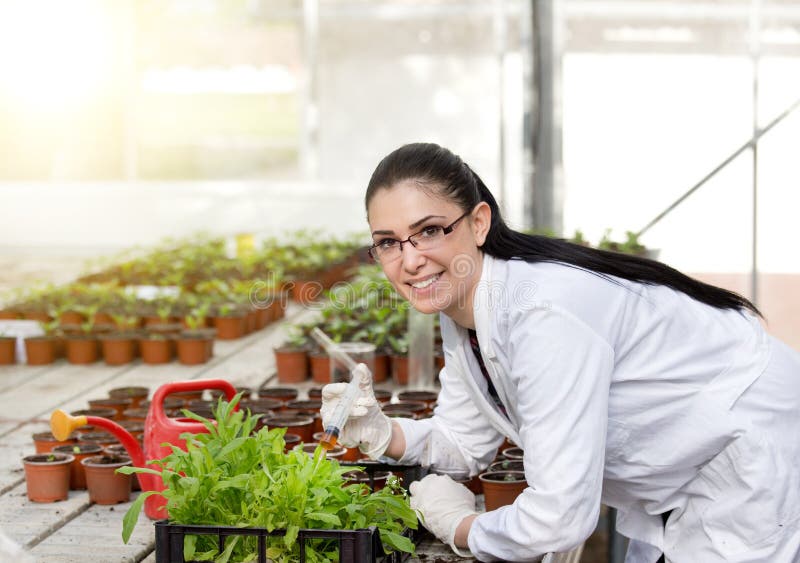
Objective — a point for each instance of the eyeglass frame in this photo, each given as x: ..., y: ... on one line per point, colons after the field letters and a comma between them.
x: 445, y: 231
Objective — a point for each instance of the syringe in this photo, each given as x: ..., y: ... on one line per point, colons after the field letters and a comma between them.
x: 342, y: 410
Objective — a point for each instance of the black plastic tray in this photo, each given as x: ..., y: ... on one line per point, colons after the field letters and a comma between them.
x: 355, y: 546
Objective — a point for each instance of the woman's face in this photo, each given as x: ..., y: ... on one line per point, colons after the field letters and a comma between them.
x: 440, y: 278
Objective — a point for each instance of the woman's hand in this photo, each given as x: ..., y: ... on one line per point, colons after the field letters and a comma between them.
x: 447, y: 509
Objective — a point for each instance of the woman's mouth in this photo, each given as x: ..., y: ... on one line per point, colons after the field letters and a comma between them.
x: 422, y: 284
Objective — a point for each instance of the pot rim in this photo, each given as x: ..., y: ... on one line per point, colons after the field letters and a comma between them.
x: 484, y: 477
x: 62, y: 459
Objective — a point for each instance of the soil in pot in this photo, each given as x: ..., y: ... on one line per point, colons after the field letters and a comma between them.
x: 47, y: 476
x: 292, y: 364
x: 376, y: 483
x: 101, y: 439
x: 45, y: 442
x: 513, y: 453
x: 77, y: 476
x: 8, y: 350
x: 135, y: 394
x: 104, y: 484
x: 501, y: 488
x: 413, y: 406
x: 507, y: 465
x: 427, y: 397
x: 40, y: 350
x: 82, y: 350
x: 103, y: 412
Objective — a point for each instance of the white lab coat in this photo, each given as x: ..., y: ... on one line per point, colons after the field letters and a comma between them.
x: 631, y: 395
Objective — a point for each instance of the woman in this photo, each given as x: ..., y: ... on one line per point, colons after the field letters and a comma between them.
x: 625, y: 382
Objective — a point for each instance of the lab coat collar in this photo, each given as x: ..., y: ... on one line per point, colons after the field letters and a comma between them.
x: 483, y: 306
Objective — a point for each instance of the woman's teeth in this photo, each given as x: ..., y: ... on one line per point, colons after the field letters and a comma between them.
x: 425, y: 283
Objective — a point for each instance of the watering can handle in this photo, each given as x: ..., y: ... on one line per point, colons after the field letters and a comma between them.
x: 157, y: 404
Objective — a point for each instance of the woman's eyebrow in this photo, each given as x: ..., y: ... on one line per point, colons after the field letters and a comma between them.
x: 412, y: 226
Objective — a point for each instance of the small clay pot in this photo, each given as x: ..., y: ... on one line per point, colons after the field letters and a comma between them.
x: 119, y: 405
x: 301, y: 425
x: 292, y: 364
x: 513, y: 453
x: 102, y: 412
x: 135, y: 394
x: 40, y: 350
x: 101, y: 439
x: 290, y: 440
x: 376, y: 481
x: 383, y: 366
x: 137, y: 415
x: 118, y: 349
x: 350, y: 454
x: 45, y: 442
x: 77, y: 476
x: 384, y: 396
x: 406, y: 406
x: 156, y: 350
x: 104, y: 484
x: 230, y: 328
x: 283, y: 394
x: 8, y: 350
x: 427, y: 397
x: 47, y: 476
x: 507, y: 465
x: 501, y: 488
x: 399, y: 369
x: 82, y: 350
x: 320, y: 367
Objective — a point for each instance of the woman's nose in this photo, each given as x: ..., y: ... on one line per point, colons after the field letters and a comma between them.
x: 412, y: 258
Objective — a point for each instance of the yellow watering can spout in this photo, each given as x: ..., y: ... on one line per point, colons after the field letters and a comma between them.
x: 63, y: 424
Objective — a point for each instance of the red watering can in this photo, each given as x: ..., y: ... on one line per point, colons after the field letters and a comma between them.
x: 158, y: 429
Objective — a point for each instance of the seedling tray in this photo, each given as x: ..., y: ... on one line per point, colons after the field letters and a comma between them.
x: 355, y: 546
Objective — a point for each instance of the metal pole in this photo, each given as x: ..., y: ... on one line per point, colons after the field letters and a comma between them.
x: 755, y: 54
x: 500, y: 30
x: 310, y: 115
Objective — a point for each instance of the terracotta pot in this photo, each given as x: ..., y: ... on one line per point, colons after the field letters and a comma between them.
x: 101, y: 439
x: 507, y: 465
x: 350, y: 454
x: 135, y: 394
x: 283, y: 394
x: 119, y: 405
x: 501, y: 488
x: 250, y: 322
x: 382, y: 367
x: 77, y: 475
x: 135, y: 415
x: 71, y: 318
x: 9, y: 315
x: 118, y: 349
x: 336, y: 452
x: 40, y: 316
x: 315, y: 394
x: 104, y: 484
x: 82, y: 350
x: 438, y: 362
x: 400, y: 369
x: 230, y: 328
x: 306, y: 291
x: 513, y: 453
x: 416, y: 407
x: 156, y: 350
x: 45, y: 442
x: 426, y: 397
x: 301, y: 425
x: 376, y: 483
x: 291, y: 364
x: 40, y: 350
x: 8, y: 350
x: 290, y: 441
x: 384, y: 396
x: 194, y: 347
x: 320, y: 367
x: 103, y: 319
x: 47, y: 476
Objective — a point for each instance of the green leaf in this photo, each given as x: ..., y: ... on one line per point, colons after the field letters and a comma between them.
x: 397, y: 541
x: 324, y: 517
x: 132, y: 515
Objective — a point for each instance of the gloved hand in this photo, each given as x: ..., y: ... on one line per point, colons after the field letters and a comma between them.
x: 367, y: 427
x: 443, y: 504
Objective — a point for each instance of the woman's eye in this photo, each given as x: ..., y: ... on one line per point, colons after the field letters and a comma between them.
x: 387, y: 243
x: 430, y: 232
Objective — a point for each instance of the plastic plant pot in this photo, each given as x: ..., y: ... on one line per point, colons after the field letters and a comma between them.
x: 47, y: 476
x: 105, y: 485
x: 376, y: 482
x: 513, y: 453
x: 501, y: 488
x: 77, y: 475
x: 283, y: 394
x: 507, y: 465
x: 135, y: 394
x: 45, y: 442
x: 301, y: 425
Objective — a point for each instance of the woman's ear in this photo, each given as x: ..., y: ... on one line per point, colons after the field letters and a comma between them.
x: 481, y: 221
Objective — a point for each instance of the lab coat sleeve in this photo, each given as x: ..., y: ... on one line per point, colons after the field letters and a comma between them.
x: 561, y: 372
x: 458, y: 437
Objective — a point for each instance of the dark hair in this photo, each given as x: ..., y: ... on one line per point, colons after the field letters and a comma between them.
x: 437, y: 169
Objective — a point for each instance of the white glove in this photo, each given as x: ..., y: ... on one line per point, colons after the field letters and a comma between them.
x: 443, y: 504
x: 366, y: 427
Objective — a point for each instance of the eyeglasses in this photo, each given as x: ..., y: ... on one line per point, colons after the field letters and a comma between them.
x: 389, y: 249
